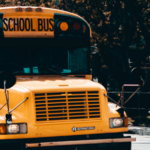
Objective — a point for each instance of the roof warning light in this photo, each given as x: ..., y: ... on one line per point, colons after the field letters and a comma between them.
x: 64, y: 26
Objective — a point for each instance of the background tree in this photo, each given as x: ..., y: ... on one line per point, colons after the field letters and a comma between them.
x: 116, y: 25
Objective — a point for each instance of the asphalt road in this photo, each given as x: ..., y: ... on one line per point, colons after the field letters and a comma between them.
x: 142, y: 142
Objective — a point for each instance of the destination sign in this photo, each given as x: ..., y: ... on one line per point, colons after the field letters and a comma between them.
x: 28, y: 24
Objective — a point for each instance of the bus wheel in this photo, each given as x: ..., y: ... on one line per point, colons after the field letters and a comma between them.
x: 116, y: 146
x: 124, y: 146
x: 16, y: 146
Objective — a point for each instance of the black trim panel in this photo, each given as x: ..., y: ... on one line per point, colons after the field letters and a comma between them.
x: 66, y: 138
x: 1, y: 25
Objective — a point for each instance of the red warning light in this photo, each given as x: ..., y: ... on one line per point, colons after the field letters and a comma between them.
x: 38, y: 9
x: 76, y: 26
x: 18, y: 9
x: 28, y: 9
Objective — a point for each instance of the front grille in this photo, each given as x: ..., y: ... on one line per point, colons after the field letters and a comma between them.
x: 67, y: 105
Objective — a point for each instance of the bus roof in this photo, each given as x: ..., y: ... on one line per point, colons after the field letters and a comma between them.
x: 11, y: 12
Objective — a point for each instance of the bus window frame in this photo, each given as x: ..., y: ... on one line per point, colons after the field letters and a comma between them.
x: 29, y: 48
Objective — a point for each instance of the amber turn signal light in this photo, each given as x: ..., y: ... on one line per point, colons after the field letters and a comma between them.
x: 126, y: 121
x: 84, y: 28
x: 64, y: 26
x: 2, y: 129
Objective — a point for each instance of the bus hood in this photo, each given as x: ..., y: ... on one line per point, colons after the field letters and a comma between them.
x: 38, y: 83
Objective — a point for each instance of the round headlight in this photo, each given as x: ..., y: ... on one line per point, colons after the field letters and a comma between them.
x: 13, y: 128
x: 116, y: 122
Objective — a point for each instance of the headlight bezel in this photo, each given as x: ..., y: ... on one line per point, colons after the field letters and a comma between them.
x: 6, y: 126
x: 111, y: 125
x: 9, y: 128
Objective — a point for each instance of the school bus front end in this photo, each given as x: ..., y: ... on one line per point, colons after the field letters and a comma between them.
x: 71, y: 110
x: 53, y: 102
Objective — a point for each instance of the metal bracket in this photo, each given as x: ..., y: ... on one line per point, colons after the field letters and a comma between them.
x: 113, y: 100
x: 8, y: 118
x: 18, y: 105
x: 3, y: 105
x: 130, y: 85
x: 120, y: 110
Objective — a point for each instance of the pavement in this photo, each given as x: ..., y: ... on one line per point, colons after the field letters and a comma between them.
x: 142, y: 142
x: 139, y: 130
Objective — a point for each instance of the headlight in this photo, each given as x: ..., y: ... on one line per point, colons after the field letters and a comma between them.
x: 116, y: 122
x: 13, y: 128
x: 17, y: 128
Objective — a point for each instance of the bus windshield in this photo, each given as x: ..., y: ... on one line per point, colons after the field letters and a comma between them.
x: 43, y: 61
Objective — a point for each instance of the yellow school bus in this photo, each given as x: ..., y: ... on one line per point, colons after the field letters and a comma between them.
x: 47, y: 97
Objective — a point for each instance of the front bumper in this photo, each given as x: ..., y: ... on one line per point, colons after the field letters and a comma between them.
x: 80, y: 142
x: 103, y: 138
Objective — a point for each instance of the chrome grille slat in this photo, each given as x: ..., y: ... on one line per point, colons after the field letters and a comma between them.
x: 67, y: 105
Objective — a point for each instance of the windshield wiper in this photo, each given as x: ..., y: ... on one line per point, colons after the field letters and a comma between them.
x: 52, y: 70
x: 43, y: 68
x: 18, y: 72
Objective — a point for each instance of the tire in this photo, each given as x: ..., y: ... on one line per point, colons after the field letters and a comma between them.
x: 117, y: 146
x: 12, y: 146
x: 124, y: 146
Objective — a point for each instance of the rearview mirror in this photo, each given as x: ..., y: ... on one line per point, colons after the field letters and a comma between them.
x: 138, y: 75
x: 7, y: 77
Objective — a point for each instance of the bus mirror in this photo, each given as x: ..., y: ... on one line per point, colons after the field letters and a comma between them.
x: 95, y: 64
x: 7, y: 77
x: 138, y: 75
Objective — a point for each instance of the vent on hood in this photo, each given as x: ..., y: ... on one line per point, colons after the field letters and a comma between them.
x: 63, y: 85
